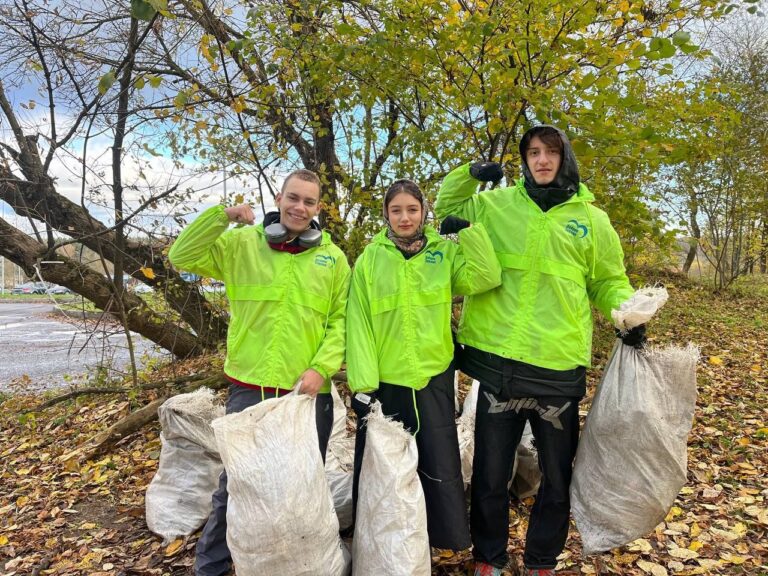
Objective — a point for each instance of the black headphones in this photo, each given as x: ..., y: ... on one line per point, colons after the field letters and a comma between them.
x: 277, y: 233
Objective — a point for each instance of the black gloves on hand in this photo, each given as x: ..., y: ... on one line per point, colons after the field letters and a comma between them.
x: 634, y: 337
x: 453, y: 225
x: 487, y: 171
x: 361, y: 408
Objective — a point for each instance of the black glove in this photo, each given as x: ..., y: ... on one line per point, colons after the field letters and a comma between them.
x: 487, y: 171
x: 362, y: 408
x: 634, y: 337
x: 453, y: 225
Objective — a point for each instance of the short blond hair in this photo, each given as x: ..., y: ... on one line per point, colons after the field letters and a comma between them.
x: 302, y: 174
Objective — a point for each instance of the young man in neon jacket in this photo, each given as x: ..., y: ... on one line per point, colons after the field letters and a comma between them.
x: 287, y: 287
x: 529, y: 342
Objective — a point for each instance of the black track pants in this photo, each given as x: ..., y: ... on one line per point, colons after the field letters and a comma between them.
x: 498, y: 429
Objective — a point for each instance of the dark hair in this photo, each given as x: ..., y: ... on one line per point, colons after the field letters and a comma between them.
x: 302, y: 174
x: 549, y: 135
x: 407, y: 186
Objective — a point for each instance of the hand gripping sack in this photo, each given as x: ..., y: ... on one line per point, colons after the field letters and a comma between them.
x: 280, y: 516
x: 631, y: 461
x: 339, y: 462
x: 178, y: 500
x: 391, y: 526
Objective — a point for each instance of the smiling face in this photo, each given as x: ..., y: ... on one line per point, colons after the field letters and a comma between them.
x: 543, y: 161
x: 404, y: 213
x: 298, y: 202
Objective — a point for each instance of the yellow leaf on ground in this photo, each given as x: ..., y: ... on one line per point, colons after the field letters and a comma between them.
x: 22, y: 501
x: 652, y: 568
x: 173, y: 547
x: 708, y: 563
x: 743, y: 441
x: 684, y: 553
x: 673, y: 513
x: 724, y: 534
x: 734, y: 558
x: 641, y: 545
x: 695, y: 545
x: 3, y: 539
x: 758, y: 512
x: 148, y: 273
x: 715, y: 360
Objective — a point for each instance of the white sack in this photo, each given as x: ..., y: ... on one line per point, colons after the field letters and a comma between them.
x: 639, y: 308
x: 339, y: 459
x: 526, y: 475
x: 465, y: 425
x: 280, y: 516
x: 391, y: 527
x: 631, y: 460
x: 178, y: 500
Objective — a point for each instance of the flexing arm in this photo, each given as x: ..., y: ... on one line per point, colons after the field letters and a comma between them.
x: 200, y: 247
x: 457, y: 195
x: 475, y: 267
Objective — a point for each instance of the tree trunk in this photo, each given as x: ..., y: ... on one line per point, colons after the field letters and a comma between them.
x: 693, y: 214
x: 27, y: 253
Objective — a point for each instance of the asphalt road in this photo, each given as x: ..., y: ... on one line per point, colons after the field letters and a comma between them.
x: 39, y: 350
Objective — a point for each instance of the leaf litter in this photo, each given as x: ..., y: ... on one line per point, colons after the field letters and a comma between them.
x: 64, y: 518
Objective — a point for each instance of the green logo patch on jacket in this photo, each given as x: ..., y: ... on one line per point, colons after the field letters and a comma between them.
x: 433, y: 256
x: 325, y: 261
x: 579, y: 230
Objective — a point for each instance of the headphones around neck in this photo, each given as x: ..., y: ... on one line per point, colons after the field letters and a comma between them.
x: 277, y: 233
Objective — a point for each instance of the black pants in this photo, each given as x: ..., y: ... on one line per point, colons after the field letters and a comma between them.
x: 498, y: 429
x: 212, y: 557
x: 429, y: 414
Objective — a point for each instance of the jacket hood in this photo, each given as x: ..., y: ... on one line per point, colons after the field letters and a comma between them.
x: 567, y: 178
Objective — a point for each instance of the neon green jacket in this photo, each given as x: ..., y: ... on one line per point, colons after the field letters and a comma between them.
x: 399, y: 311
x: 553, y: 264
x: 286, y: 310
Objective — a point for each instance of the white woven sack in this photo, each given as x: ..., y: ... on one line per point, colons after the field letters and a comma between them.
x: 391, y: 526
x: 631, y: 461
x: 339, y: 459
x: 526, y: 475
x: 280, y: 516
x: 639, y: 308
x: 465, y: 425
x: 178, y: 500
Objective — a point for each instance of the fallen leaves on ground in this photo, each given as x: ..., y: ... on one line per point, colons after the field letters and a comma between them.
x: 63, y: 518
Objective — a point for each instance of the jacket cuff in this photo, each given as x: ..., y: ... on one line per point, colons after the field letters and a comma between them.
x: 320, y: 371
